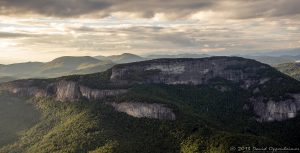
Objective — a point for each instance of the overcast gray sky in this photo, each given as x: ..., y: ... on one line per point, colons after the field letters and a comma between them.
x: 40, y: 30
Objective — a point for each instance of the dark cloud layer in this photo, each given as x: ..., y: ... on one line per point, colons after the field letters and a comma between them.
x: 52, y: 7
x: 148, y: 8
x: 70, y: 8
x: 266, y: 8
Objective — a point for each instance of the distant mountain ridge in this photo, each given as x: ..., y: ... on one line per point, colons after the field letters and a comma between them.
x: 66, y: 65
x: 178, y: 56
x: 292, y: 69
x: 69, y: 65
x: 123, y: 58
x: 274, y: 60
x: 61, y: 66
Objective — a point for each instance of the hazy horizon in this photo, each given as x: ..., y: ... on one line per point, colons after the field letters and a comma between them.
x: 44, y: 30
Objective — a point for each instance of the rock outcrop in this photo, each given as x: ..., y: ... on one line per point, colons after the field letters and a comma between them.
x: 61, y: 90
x: 139, y: 110
x: 67, y: 91
x: 189, y: 71
x: 248, y: 74
x: 276, y: 111
x: 94, y: 94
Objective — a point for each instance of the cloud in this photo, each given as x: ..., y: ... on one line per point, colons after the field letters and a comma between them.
x: 60, y: 8
x: 172, y: 9
x: 243, y: 9
x: 230, y: 36
x: 72, y: 8
x: 13, y: 35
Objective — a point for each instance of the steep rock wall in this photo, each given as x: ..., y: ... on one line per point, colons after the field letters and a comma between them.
x: 276, y: 111
x: 94, y: 94
x: 67, y: 91
x: 139, y: 110
x: 61, y: 91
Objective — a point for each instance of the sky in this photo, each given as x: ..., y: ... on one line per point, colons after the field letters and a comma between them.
x: 41, y: 30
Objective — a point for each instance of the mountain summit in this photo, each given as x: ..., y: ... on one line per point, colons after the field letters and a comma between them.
x: 126, y: 58
x: 178, y: 104
x: 61, y: 66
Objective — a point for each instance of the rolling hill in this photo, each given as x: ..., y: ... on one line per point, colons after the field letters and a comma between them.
x: 178, y: 56
x: 126, y: 58
x: 166, y: 105
x: 274, y: 60
x: 291, y: 69
x: 6, y: 79
x: 67, y: 65
x: 123, y: 58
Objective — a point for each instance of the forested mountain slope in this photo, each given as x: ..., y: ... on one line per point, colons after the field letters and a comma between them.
x: 165, y: 105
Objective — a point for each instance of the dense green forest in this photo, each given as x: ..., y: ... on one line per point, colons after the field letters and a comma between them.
x: 207, y: 120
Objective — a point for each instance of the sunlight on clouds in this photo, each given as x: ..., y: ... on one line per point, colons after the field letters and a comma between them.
x: 209, y: 15
x: 7, y: 43
x: 229, y: 26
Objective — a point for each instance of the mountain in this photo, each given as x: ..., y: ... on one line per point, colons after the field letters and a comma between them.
x: 74, y: 65
x: 67, y: 65
x: 102, y: 58
x: 277, y: 53
x: 292, y: 69
x: 178, y: 56
x: 273, y: 60
x: 20, y: 69
x: 294, y: 58
x: 125, y: 58
x: 213, y: 104
x: 6, y: 79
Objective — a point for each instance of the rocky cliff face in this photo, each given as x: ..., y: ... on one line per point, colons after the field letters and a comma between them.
x: 94, y: 94
x: 139, y: 110
x: 61, y: 90
x: 276, y: 111
x: 67, y: 91
x: 249, y: 74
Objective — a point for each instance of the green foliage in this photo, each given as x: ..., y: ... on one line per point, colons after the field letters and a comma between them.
x: 83, y: 127
x: 223, y: 142
x: 291, y: 69
x: 207, y: 120
x: 109, y: 147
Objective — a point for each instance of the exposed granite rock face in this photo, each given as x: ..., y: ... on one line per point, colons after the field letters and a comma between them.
x: 139, y: 110
x: 94, y: 94
x: 188, y: 71
x: 61, y: 90
x: 29, y: 92
x: 27, y: 88
x: 276, y: 111
x: 67, y: 91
